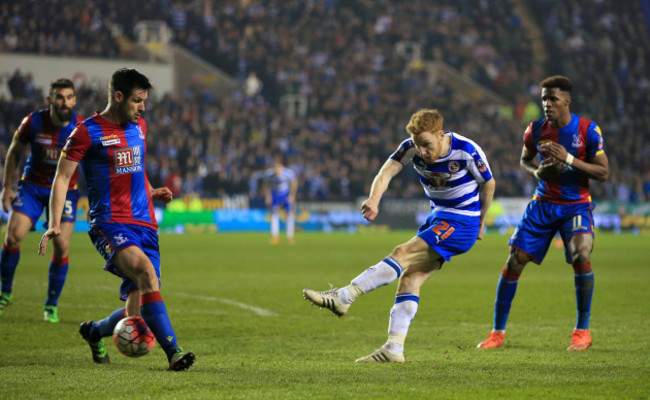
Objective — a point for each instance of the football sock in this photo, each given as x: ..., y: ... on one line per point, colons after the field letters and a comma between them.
x: 275, y: 223
x: 401, y: 316
x: 9, y: 257
x: 290, y: 224
x: 505, y: 293
x: 56, y: 279
x: 104, y: 328
x: 349, y: 293
x: 381, y: 274
x: 154, y: 313
x: 584, y: 284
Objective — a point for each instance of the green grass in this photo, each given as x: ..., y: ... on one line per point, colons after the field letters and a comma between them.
x: 212, y: 284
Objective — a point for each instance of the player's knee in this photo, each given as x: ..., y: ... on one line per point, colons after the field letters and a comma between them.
x: 581, y: 256
x: 145, y: 275
x: 399, y: 252
x: 516, y: 262
x: 12, y: 240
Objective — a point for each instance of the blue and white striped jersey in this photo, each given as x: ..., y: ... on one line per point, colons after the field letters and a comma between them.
x: 280, y: 184
x: 451, y: 182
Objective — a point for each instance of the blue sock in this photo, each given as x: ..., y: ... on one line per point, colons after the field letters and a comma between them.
x: 154, y: 313
x: 505, y: 293
x: 584, y: 290
x: 8, y: 262
x: 105, y: 327
x: 56, y: 279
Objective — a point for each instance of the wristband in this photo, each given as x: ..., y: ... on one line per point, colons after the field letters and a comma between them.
x: 569, y: 159
x: 536, y: 174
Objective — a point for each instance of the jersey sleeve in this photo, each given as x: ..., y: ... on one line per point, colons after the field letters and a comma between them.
x: 24, y: 131
x: 479, y: 166
x: 405, y: 152
x: 595, y: 142
x: 77, y: 144
x: 529, y: 141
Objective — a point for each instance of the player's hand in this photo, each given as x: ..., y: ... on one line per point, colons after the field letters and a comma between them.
x: 550, y: 168
x: 8, y: 198
x: 554, y: 151
x: 49, y: 234
x: 163, y: 194
x: 369, y: 210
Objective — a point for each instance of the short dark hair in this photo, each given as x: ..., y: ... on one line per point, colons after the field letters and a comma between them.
x: 557, y: 81
x: 125, y: 80
x: 61, y: 83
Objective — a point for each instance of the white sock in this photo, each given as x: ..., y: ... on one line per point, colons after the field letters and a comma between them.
x: 275, y: 223
x: 291, y: 222
x: 349, y: 293
x: 381, y: 274
x: 401, y: 315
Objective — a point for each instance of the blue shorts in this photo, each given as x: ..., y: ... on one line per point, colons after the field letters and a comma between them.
x: 542, y: 220
x: 281, y: 200
x: 109, y: 238
x: 31, y: 199
x: 449, y: 236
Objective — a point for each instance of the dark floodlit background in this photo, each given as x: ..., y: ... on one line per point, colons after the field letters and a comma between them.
x: 331, y: 84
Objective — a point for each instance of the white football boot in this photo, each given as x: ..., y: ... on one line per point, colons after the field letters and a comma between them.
x: 328, y: 299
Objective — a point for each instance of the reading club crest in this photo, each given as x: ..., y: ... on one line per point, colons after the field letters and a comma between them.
x: 453, y: 166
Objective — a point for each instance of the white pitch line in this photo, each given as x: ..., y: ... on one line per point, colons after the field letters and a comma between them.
x: 256, y: 310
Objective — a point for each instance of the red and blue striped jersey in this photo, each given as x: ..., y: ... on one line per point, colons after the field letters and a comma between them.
x: 583, y: 139
x: 112, y: 158
x: 46, y: 141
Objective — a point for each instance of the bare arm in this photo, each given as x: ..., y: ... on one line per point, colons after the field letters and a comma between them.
x: 595, y: 168
x: 64, y: 173
x: 485, y: 194
x: 16, y: 148
x: 370, y: 207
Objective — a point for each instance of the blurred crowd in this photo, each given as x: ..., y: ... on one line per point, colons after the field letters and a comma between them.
x: 356, y: 64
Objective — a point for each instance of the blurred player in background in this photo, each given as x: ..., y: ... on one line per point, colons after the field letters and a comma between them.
x: 457, y: 180
x: 571, y: 152
x: 281, y: 186
x: 111, y: 147
x: 45, y: 131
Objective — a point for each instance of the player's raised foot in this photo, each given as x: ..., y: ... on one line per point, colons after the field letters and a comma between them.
x: 275, y: 240
x: 97, y: 348
x: 291, y: 241
x: 5, y: 301
x: 51, y: 314
x: 328, y: 299
x: 181, y: 361
x: 580, y: 340
x: 495, y: 339
x: 381, y: 355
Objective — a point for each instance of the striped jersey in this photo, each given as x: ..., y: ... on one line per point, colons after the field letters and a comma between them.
x: 46, y: 141
x: 583, y: 139
x: 280, y: 184
x: 452, y: 182
x: 112, y: 158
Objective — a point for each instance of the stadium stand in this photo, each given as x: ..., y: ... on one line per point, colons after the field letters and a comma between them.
x: 361, y: 73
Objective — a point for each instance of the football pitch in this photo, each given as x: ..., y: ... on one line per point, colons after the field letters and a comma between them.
x: 236, y: 302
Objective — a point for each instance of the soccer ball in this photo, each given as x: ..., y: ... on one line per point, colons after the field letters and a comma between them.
x: 132, y: 337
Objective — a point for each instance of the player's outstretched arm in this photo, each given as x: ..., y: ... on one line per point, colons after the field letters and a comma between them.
x: 370, y: 207
x: 64, y: 173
